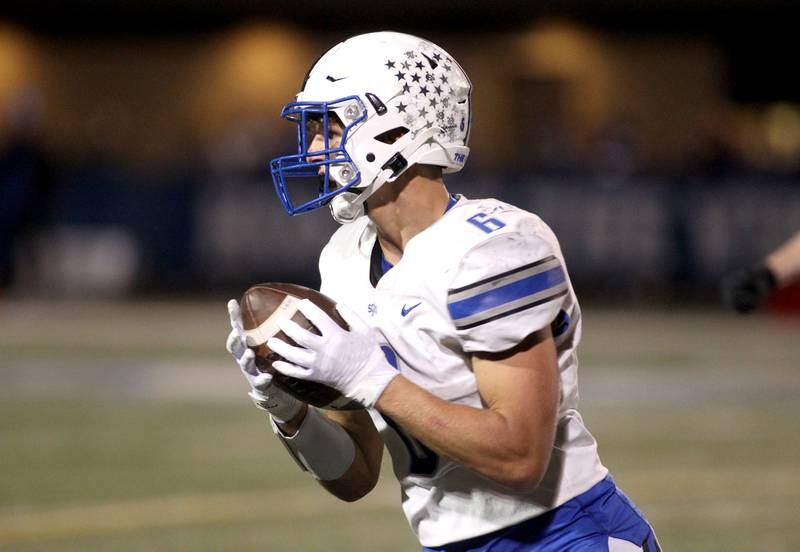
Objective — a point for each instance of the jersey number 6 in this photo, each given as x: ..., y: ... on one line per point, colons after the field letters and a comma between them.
x: 486, y: 223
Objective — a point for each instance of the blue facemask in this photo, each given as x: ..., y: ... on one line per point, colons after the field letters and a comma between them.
x: 302, y: 168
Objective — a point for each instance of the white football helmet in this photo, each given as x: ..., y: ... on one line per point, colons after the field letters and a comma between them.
x: 401, y: 99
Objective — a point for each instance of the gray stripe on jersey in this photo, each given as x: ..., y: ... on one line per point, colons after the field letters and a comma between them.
x: 512, y: 306
x: 501, y: 280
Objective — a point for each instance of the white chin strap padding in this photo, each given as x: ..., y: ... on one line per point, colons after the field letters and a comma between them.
x: 345, y: 207
x: 348, y: 206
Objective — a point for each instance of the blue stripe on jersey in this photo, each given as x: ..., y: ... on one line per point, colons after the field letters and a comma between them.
x: 391, y: 357
x: 505, y: 294
x: 451, y: 202
x: 561, y: 324
x: 386, y: 266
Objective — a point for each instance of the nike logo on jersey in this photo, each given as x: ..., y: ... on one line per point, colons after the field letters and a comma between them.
x: 330, y: 78
x: 405, y: 310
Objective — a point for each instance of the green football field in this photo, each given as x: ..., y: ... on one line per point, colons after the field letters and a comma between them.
x: 125, y: 427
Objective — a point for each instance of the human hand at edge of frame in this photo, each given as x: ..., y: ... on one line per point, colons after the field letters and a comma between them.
x: 281, y: 406
x: 745, y: 289
x: 351, y: 361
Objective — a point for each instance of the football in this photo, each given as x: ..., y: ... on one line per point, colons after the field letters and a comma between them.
x: 262, y: 306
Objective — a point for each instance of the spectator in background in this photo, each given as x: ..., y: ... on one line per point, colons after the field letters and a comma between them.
x: 26, y: 179
x: 745, y: 289
x: 616, y: 152
x: 718, y: 152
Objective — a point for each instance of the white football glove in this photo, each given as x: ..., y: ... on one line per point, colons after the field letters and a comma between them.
x: 281, y: 406
x: 351, y: 362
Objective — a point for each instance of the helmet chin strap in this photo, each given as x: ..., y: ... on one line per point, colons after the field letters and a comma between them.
x: 348, y: 206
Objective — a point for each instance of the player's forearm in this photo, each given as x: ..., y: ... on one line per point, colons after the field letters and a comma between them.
x: 484, y: 440
x: 291, y: 426
x: 361, y: 473
x: 785, y: 261
x: 356, y: 482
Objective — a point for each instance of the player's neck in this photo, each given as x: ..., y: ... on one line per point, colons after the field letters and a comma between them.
x: 403, y: 209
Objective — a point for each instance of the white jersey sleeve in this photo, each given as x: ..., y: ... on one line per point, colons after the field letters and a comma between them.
x: 505, y: 288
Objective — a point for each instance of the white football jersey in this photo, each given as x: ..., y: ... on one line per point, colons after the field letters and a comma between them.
x: 481, y: 278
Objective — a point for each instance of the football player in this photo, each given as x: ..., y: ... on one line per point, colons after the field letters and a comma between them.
x: 745, y: 289
x: 463, y: 325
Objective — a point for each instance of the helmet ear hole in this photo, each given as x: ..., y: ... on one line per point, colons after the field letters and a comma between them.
x: 370, y: 157
x: 392, y: 135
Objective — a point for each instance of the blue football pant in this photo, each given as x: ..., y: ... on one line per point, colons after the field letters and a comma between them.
x: 602, y: 519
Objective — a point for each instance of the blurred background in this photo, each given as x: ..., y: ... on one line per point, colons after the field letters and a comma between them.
x: 660, y: 140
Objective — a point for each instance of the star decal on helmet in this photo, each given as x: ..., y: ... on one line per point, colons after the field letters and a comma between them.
x: 431, y: 95
x: 432, y: 63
